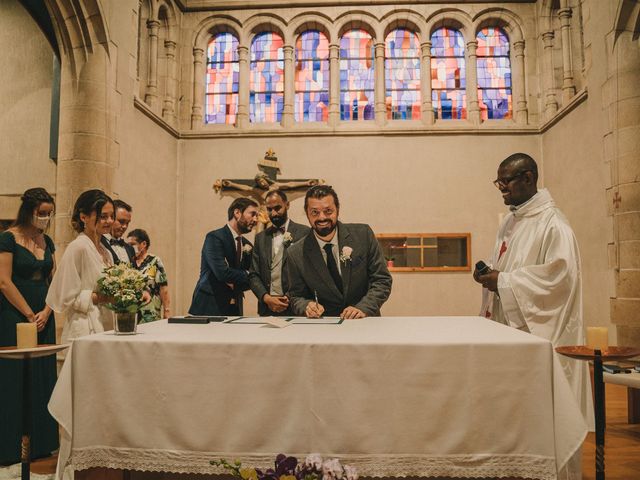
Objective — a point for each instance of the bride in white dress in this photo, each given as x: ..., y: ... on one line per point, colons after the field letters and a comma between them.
x: 72, y: 289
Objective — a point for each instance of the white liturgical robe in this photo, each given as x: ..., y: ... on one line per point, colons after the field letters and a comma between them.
x: 71, y: 289
x: 540, y: 285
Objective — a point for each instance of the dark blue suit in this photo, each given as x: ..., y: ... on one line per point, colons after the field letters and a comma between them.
x: 219, y: 267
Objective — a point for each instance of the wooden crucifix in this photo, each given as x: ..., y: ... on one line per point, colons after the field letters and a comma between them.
x: 263, y: 183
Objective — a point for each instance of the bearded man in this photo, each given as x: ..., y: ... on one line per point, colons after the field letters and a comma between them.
x: 338, y: 269
x: 225, y: 262
x: 270, y: 254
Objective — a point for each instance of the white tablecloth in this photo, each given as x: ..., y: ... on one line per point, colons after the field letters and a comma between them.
x: 432, y: 396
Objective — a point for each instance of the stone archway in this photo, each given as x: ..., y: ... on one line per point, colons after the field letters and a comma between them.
x: 87, y: 137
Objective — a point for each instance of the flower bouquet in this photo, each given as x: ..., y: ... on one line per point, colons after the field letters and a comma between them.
x: 124, y: 285
x: 288, y: 468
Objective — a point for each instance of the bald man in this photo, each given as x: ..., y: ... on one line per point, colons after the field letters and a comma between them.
x: 535, y: 281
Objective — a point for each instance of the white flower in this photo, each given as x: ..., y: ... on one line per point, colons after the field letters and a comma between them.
x: 350, y: 472
x: 345, y: 256
x: 287, y: 238
x: 313, y: 461
x: 246, y: 249
x: 331, y: 469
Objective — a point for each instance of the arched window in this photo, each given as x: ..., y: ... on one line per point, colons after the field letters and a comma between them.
x: 356, y: 76
x: 494, y: 74
x: 222, y: 79
x: 312, y: 77
x: 266, y: 95
x: 402, y: 75
x: 448, y: 76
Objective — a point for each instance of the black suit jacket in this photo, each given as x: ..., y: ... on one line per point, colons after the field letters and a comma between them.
x: 218, y: 268
x: 365, y: 277
x: 131, y: 253
x: 260, y: 273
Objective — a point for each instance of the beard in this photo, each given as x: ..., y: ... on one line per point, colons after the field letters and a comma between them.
x: 326, y: 230
x: 244, y: 226
x: 278, y: 220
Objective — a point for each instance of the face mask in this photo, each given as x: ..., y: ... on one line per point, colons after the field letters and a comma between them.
x: 41, y: 223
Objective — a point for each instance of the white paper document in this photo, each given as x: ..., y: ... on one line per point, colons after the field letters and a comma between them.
x: 316, y: 321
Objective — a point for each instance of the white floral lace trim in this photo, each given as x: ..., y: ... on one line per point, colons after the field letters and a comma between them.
x: 457, y: 466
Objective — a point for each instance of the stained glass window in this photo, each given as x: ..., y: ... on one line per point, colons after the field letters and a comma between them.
x: 494, y: 74
x: 266, y: 91
x: 312, y: 77
x: 402, y: 75
x: 356, y: 76
x: 448, y: 76
x: 221, y: 99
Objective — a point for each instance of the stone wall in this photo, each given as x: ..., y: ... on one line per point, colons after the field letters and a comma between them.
x: 25, y: 90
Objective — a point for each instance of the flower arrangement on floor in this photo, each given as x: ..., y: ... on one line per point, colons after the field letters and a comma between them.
x: 288, y: 468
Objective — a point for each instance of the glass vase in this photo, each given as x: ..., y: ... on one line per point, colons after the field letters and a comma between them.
x: 125, y: 323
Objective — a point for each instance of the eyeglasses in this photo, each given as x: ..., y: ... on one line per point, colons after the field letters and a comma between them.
x: 503, y: 182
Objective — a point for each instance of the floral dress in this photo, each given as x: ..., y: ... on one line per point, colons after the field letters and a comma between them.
x: 156, y: 277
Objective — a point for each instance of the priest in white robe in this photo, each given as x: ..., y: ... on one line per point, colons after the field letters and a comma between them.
x: 535, y: 281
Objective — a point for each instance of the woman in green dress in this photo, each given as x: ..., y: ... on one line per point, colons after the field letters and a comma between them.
x: 26, y: 265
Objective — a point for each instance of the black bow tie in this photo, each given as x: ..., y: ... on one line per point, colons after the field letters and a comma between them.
x: 116, y: 241
x: 275, y: 230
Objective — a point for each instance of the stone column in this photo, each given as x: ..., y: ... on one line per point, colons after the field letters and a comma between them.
x: 568, y: 87
x: 199, y: 73
x: 426, y: 113
x: 519, y: 95
x: 87, y: 150
x: 620, y: 94
x: 243, y: 88
x: 168, y: 106
x: 472, y: 83
x: 379, y: 87
x: 550, y: 101
x: 151, y: 94
x: 289, y: 92
x: 334, y: 84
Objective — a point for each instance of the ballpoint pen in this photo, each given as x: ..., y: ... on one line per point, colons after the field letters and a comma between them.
x: 315, y: 295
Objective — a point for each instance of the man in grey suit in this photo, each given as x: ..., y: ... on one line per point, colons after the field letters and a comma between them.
x: 269, y: 255
x: 338, y: 269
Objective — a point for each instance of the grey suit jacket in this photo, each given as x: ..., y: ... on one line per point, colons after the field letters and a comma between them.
x: 365, y: 277
x: 260, y: 273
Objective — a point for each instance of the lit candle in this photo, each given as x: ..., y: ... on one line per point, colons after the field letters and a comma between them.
x: 27, y: 334
x: 598, y: 338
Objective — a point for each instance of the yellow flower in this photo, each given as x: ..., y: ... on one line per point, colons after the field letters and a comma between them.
x: 249, y: 474
x: 152, y: 271
x: 287, y: 477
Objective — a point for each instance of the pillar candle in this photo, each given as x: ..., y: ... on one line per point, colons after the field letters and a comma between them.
x: 27, y: 334
x: 598, y: 338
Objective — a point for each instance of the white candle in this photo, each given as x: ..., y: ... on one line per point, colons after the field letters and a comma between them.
x: 27, y: 334
x: 598, y: 338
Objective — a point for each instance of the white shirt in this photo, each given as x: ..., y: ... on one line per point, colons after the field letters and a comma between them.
x: 120, y: 251
x: 278, y: 240
x: 277, y: 255
x: 334, y: 249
